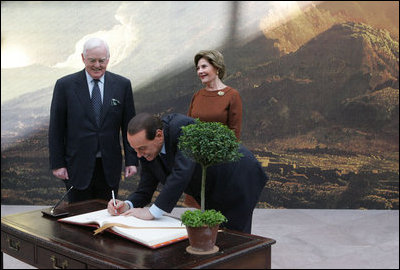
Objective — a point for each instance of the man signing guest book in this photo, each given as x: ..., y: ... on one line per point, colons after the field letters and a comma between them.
x: 232, y: 188
x: 88, y: 111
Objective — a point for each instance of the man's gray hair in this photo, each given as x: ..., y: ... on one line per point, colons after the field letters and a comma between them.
x: 94, y: 43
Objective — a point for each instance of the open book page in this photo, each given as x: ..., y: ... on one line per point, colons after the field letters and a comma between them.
x: 98, y: 217
x: 153, y: 233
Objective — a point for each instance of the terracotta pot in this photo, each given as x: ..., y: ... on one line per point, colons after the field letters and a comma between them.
x: 202, y: 239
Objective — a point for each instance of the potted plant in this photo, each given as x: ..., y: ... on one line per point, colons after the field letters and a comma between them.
x: 206, y: 143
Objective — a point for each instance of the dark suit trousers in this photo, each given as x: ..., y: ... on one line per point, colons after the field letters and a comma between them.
x: 98, y: 188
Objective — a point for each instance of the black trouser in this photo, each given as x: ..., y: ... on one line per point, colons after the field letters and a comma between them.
x: 97, y: 189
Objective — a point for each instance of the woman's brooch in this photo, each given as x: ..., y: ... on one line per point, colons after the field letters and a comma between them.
x: 221, y: 93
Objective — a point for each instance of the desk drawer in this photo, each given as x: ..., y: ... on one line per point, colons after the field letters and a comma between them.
x: 50, y: 259
x: 15, y: 247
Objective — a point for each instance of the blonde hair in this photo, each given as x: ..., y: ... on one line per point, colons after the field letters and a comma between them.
x: 214, y: 57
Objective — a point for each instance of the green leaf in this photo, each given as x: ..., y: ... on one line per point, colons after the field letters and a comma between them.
x: 197, y: 218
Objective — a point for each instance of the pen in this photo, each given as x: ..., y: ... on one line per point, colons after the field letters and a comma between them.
x: 113, y: 197
x: 62, y: 198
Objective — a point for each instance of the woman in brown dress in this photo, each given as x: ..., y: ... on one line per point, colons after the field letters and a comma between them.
x: 216, y: 102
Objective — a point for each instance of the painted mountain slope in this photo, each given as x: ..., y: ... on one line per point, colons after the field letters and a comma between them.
x: 312, y: 86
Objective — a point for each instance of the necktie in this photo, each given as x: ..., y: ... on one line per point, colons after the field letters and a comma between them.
x: 96, y: 101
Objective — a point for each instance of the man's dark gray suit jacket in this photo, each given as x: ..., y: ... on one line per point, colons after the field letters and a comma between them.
x: 232, y: 188
x: 74, y: 137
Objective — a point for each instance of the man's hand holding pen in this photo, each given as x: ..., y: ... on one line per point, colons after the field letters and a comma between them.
x: 122, y: 208
x: 119, y: 208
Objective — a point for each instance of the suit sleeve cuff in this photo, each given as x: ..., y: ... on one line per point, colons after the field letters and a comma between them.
x: 130, y: 204
x: 155, y: 211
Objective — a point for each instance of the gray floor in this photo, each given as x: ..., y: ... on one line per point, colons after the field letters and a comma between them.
x: 310, y: 239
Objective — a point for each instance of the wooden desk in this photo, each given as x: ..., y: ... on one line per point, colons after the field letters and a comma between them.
x: 45, y: 243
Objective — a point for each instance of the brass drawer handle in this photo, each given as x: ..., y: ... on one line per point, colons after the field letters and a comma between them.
x: 64, y: 264
x: 13, y: 244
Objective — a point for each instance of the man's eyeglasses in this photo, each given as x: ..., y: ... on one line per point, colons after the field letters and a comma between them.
x: 94, y: 60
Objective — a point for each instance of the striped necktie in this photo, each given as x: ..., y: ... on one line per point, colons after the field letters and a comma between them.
x: 96, y: 101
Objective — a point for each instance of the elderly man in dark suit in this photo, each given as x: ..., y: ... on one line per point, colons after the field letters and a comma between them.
x: 88, y: 112
x: 232, y: 188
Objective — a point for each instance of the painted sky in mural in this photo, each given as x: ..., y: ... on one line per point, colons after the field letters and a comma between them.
x: 43, y: 40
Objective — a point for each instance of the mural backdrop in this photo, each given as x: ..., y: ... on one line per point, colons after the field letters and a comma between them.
x: 319, y: 83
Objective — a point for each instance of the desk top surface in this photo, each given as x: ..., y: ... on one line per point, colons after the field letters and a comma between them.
x: 110, y: 249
